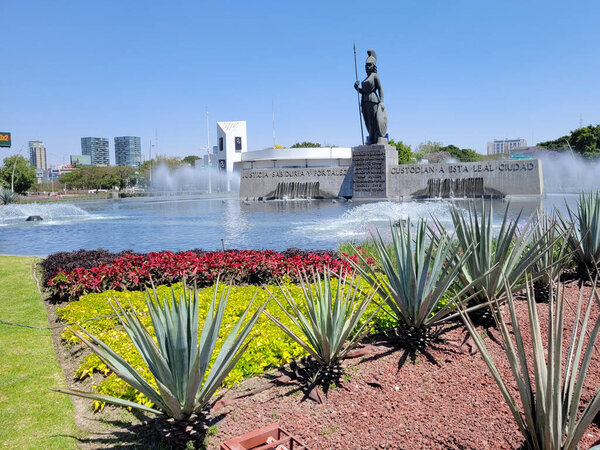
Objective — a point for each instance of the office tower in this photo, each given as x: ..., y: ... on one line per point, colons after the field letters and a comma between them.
x: 505, y: 146
x: 97, y: 149
x: 128, y: 151
x: 37, y: 155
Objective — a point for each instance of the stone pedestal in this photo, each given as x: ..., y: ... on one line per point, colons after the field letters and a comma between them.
x: 371, y: 174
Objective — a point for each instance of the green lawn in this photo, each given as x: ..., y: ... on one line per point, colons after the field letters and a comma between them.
x: 31, y: 415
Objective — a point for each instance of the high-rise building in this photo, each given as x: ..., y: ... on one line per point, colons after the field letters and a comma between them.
x: 505, y: 146
x: 97, y: 148
x: 128, y: 151
x: 37, y: 155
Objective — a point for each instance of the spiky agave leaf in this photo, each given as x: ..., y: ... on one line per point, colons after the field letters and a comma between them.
x: 417, y: 272
x: 555, y: 253
x: 177, y: 360
x: 550, y: 396
x: 507, y: 256
x: 329, y: 323
x: 583, y: 228
x: 7, y: 196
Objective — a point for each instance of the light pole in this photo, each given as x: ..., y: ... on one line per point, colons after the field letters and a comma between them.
x: 150, y: 162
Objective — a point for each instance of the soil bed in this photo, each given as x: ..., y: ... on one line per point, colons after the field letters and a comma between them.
x: 445, y: 399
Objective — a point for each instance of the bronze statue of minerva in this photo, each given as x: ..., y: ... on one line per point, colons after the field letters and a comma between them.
x: 371, y: 102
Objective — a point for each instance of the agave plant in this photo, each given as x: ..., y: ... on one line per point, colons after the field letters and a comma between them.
x: 7, y: 196
x: 551, y: 395
x: 495, y: 260
x: 329, y: 320
x: 178, y: 360
x: 584, y: 235
x: 554, y: 255
x: 417, y: 272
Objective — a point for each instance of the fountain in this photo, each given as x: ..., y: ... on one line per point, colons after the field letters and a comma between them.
x: 454, y: 188
x: 297, y: 190
x: 191, y: 180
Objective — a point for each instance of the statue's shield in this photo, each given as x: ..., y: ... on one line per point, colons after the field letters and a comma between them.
x: 382, y: 119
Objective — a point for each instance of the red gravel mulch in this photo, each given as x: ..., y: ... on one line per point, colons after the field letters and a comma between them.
x: 444, y: 400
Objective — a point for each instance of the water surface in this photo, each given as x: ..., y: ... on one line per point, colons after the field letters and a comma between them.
x: 210, y: 223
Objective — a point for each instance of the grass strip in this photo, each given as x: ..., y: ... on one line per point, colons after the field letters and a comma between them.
x: 31, y: 415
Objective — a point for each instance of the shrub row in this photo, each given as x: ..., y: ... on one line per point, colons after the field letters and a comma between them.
x: 268, y: 345
x: 136, y: 272
x: 67, y: 261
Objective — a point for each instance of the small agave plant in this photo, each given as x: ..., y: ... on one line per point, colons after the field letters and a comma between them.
x: 180, y: 357
x: 7, y: 196
x: 583, y: 227
x: 328, y: 319
x: 549, y: 379
x: 413, y: 275
x: 496, y: 258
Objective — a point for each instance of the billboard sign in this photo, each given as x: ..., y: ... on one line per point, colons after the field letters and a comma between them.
x: 4, y: 139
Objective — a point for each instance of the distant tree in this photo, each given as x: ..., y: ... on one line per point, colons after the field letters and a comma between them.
x: 144, y: 170
x: 100, y: 177
x: 305, y: 144
x: 191, y: 160
x: 584, y: 141
x: 125, y: 176
x: 405, y: 155
x: 429, y: 147
x: 172, y: 162
x: 17, y: 174
x: 462, y: 154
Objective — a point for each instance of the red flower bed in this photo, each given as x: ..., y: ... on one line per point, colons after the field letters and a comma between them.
x: 136, y: 272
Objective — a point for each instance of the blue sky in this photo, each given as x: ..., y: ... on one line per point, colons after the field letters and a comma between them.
x: 459, y: 72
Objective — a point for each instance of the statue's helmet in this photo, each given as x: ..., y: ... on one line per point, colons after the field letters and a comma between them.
x: 372, y: 58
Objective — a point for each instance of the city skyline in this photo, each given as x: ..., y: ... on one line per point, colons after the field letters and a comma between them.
x: 463, y: 74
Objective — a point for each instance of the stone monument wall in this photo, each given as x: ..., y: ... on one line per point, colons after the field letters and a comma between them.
x: 375, y: 175
x: 326, y: 182
x: 474, y: 179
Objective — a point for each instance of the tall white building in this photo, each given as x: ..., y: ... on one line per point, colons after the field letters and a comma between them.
x: 231, y: 143
x: 37, y: 155
x: 37, y: 158
x: 505, y: 146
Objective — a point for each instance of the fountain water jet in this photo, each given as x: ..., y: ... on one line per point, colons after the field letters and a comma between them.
x: 189, y: 180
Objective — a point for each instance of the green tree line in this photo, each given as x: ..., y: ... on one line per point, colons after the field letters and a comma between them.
x: 406, y: 155
x: 100, y: 177
x: 17, y: 174
x: 584, y: 141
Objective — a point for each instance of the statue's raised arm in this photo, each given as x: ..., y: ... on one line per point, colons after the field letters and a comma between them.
x: 371, y: 102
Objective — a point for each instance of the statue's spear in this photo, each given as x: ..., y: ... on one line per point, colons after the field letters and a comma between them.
x: 358, y: 97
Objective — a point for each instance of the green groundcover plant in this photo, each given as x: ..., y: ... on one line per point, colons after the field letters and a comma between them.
x: 268, y: 345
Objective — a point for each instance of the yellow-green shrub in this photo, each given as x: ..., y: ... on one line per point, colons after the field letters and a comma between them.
x: 268, y: 345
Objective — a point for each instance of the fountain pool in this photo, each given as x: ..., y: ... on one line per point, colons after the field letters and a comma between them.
x: 184, y: 223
